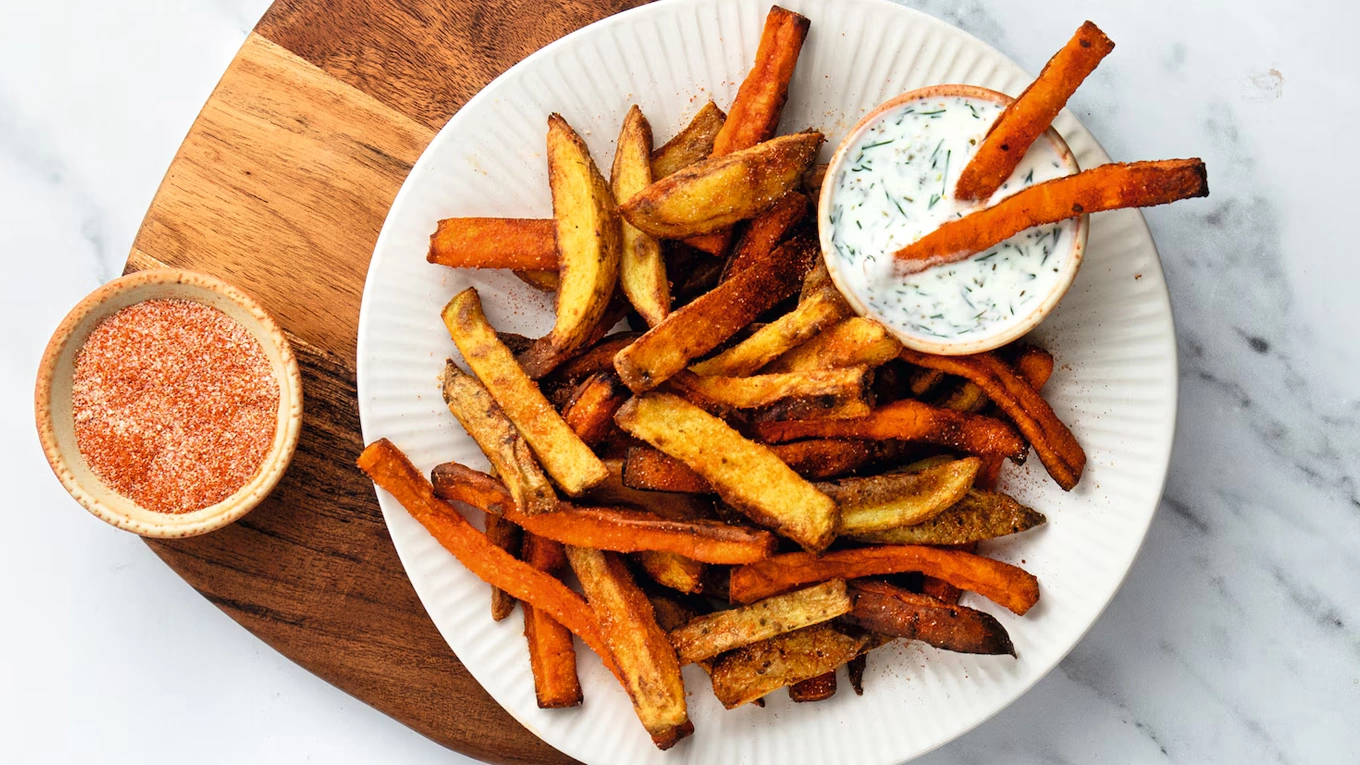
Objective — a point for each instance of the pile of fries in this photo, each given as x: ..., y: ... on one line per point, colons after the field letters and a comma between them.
x: 753, y: 479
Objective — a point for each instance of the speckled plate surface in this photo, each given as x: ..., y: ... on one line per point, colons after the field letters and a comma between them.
x: 1115, y: 384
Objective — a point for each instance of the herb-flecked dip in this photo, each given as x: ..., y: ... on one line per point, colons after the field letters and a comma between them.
x: 896, y: 183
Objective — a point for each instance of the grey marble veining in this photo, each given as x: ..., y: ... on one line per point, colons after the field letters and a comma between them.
x: 1236, y: 637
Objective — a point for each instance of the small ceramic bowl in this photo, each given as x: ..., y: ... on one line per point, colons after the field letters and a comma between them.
x: 56, y: 427
x: 948, y: 347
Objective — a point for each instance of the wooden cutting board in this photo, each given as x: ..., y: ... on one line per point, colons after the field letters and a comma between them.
x: 281, y: 188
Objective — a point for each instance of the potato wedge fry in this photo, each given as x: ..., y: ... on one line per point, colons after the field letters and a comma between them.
x: 754, y: 116
x: 900, y: 613
x: 523, y: 244
x: 979, y: 516
x: 690, y: 145
x: 715, y: 193
x: 813, y: 179
x: 642, y: 271
x: 722, y: 394
x: 604, y: 528
x: 1056, y: 446
x: 589, y: 244
x: 1030, y: 114
x: 722, y: 631
x: 819, y: 688
x: 745, y: 474
x: 853, y: 342
x: 999, y: 582
x: 498, y: 438
x: 704, y: 324
x: 552, y: 655
x: 652, y: 471
x: 506, y: 536
x: 651, y: 673
x: 816, y: 407
x: 590, y: 410
x: 543, y: 281
x: 822, y: 309
x: 561, y: 452
x: 888, y: 501
x: 670, y: 570
x: 909, y: 421
x: 1107, y: 187
x: 391, y: 470
x: 765, y: 233
x: 714, y: 243
x: 753, y: 671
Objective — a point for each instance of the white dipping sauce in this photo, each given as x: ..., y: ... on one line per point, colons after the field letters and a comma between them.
x: 896, y: 183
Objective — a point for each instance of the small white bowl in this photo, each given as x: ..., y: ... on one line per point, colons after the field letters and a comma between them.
x: 947, y: 347
x: 56, y: 426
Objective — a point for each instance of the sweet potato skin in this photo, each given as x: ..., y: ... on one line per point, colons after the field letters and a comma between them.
x: 900, y: 613
x: 909, y: 420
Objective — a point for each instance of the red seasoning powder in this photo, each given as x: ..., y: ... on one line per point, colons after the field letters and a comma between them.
x: 175, y: 404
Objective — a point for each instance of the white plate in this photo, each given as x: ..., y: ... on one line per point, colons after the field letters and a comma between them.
x: 1113, y: 338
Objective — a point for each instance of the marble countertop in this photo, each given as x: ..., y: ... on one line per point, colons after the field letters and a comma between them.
x: 1236, y: 637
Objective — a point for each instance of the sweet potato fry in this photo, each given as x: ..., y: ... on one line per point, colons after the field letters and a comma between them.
x: 754, y: 116
x: 646, y: 661
x: 819, y: 688
x: 999, y: 582
x: 1056, y: 446
x: 980, y: 515
x: 909, y: 421
x: 1029, y: 115
x: 1035, y: 365
x: 745, y: 474
x: 819, y: 311
x: 854, y: 669
x: 690, y: 145
x: 506, y: 536
x: 590, y: 410
x: 722, y: 631
x: 1108, y: 187
x: 748, y: 673
x: 649, y: 469
x: 605, y: 528
x: 888, y: 501
x: 723, y: 394
x: 498, y: 438
x: 765, y: 233
x: 599, y: 358
x: 670, y: 570
x: 561, y: 452
x: 391, y: 470
x: 519, y: 243
x: 900, y: 613
x: 675, y: 506
x: 642, y: 271
x: 543, y: 281
x: 704, y: 324
x: 552, y: 656
x: 655, y: 472
x: 715, y: 193
x: 853, y: 342
x: 941, y: 590
x: 589, y: 243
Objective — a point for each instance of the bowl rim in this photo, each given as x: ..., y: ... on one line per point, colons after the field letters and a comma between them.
x: 168, y: 525
x: 914, y: 342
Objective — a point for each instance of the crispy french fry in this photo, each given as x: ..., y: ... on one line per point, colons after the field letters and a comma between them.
x: 722, y: 394
x: 590, y: 410
x: 520, y: 243
x: 506, y: 536
x: 1108, y: 187
x: 646, y: 661
x: 670, y: 570
x: 498, y: 438
x: 909, y: 421
x: 648, y: 469
x: 900, y: 613
x: 754, y: 116
x: 924, y: 381
x: 980, y: 515
x: 604, y: 528
x: 888, y: 501
x: 1035, y: 365
x: 544, y: 281
x: 653, y: 471
x: 853, y: 342
x: 748, y: 673
x: 675, y: 506
x: 599, y: 358
x: 819, y: 688
x: 745, y: 474
x: 1056, y: 446
x: 589, y: 243
x: 390, y: 469
x: 715, y: 193
x: 704, y: 324
x: 999, y: 582
x: 941, y: 590
x: 642, y: 271
x: 1029, y: 115
x: 811, y: 316
x: 561, y: 452
x: 690, y: 145
x: 722, y: 631
x: 670, y: 612
x: 552, y: 655
x: 816, y: 407
x: 765, y: 233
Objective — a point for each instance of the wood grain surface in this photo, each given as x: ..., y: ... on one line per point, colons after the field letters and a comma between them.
x: 281, y: 188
